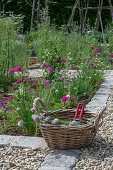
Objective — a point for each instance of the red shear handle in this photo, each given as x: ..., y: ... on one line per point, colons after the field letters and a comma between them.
x: 81, y: 113
x: 77, y: 111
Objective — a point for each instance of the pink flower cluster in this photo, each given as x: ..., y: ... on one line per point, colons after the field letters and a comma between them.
x: 47, y: 82
x: 54, y: 60
x: 45, y: 65
x: 96, y: 49
x: 19, y: 81
x: 75, y: 66
x: 10, y: 97
x: 21, y: 123
x: 19, y: 68
x: 64, y: 99
x: 51, y: 70
x: 63, y: 60
x: 36, y: 118
x: 111, y: 55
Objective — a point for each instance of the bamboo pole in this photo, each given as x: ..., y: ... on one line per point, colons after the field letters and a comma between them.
x: 99, y: 11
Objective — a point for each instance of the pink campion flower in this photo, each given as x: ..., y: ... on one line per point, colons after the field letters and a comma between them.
x: 47, y: 82
x: 80, y: 53
x: 45, y: 65
x: 92, y: 47
x: 12, y: 70
x: 92, y: 64
x: 64, y: 99
x: 96, y: 49
x: 54, y: 60
x: 111, y: 55
x: 51, y: 70
x: 72, y: 97
x: 33, y: 109
x: 75, y: 66
x: 10, y: 97
x: 63, y: 60
x: 21, y: 123
x: 19, y: 68
x: 95, y: 67
x: 26, y: 75
x: 98, y: 54
x: 19, y: 81
x: 94, y: 54
x: 36, y: 118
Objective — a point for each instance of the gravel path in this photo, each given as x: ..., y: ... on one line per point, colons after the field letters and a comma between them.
x: 99, y: 155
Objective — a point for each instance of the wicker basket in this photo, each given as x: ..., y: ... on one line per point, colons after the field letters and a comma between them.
x: 70, y: 137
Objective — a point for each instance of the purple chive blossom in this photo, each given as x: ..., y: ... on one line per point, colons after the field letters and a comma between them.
x: 7, y: 108
x: 54, y: 122
x: 75, y: 66
x: 47, y: 119
x: 36, y: 118
x: 51, y: 70
x: 45, y: 65
x: 64, y: 99
x: 19, y: 68
x: 92, y: 64
x: 12, y: 70
x: 2, y: 104
x: 33, y: 109
x: 92, y: 47
x: 96, y: 49
x: 95, y: 67
x: 62, y: 71
x: 21, y: 123
x: 63, y: 60
x: 98, y: 54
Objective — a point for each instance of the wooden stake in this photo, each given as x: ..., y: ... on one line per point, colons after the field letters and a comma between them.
x: 32, y: 16
x: 99, y: 11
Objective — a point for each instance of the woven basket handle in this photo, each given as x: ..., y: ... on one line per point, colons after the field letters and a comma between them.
x: 99, y: 120
x: 36, y: 100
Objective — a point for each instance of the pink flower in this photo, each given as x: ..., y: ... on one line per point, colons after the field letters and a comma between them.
x: 94, y: 54
x: 63, y: 60
x: 95, y: 67
x: 111, y: 55
x: 19, y: 68
x: 92, y: 47
x: 75, y: 66
x: 21, y: 123
x: 12, y: 70
x: 51, y: 70
x: 47, y: 82
x: 33, y: 109
x: 36, y: 118
x: 92, y: 64
x: 98, y: 54
x: 64, y: 99
x: 45, y: 65
x: 96, y: 49
x: 47, y: 119
x: 26, y: 75
x: 19, y: 81
x: 54, y: 60
x: 80, y: 53
x: 10, y: 97
x: 72, y: 97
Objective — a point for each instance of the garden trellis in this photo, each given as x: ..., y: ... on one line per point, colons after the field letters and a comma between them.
x: 83, y: 13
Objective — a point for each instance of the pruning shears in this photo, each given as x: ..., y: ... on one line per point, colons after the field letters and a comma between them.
x: 75, y: 119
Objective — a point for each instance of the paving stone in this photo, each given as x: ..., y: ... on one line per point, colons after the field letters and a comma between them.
x: 61, y: 159
x: 28, y: 142
x: 5, y: 139
x: 53, y: 168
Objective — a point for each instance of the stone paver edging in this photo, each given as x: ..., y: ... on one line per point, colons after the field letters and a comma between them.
x: 61, y: 160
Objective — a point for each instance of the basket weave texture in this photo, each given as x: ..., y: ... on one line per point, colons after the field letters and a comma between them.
x: 71, y: 137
